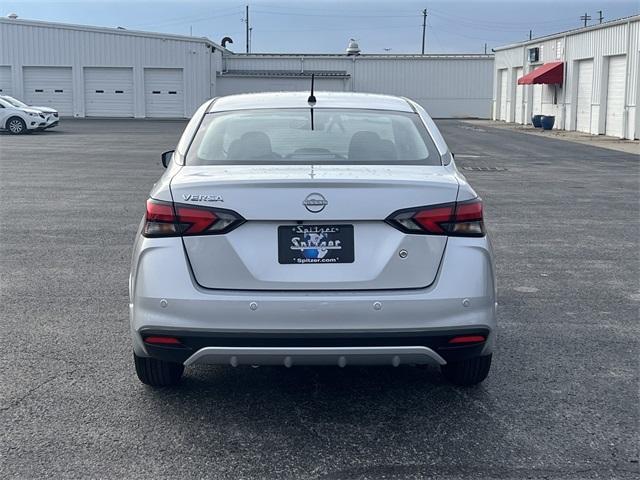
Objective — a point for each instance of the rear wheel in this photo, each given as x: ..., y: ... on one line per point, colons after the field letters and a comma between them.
x: 16, y: 126
x: 467, y: 372
x: 157, y: 373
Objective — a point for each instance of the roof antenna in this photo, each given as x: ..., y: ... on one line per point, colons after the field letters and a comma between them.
x: 312, y: 99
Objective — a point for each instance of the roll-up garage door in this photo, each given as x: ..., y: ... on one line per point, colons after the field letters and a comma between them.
x: 108, y: 92
x: 583, y: 99
x: 163, y: 92
x: 519, y: 96
x: 615, y: 96
x: 49, y: 87
x: 5, y: 81
x: 503, y: 94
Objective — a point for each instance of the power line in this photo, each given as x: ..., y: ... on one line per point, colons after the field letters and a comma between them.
x: 337, y: 15
x: 494, y: 25
x: 342, y: 29
x: 184, y: 20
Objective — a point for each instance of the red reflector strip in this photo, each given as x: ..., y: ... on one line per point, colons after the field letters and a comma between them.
x: 467, y: 339
x: 162, y: 341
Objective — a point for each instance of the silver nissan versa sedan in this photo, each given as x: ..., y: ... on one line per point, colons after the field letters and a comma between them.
x: 331, y: 229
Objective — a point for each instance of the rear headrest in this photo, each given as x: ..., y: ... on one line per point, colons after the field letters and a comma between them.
x: 249, y: 146
x: 367, y: 145
x: 363, y: 145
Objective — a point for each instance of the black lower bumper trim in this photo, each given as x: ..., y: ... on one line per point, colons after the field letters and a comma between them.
x: 194, y: 341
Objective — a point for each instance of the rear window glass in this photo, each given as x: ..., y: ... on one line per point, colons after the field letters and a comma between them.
x: 319, y: 136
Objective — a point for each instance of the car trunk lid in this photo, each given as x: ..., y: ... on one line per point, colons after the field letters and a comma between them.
x: 285, y: 202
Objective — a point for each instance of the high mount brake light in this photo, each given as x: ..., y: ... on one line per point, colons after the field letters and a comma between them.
x: 165, y: 219
x: 456, y: 219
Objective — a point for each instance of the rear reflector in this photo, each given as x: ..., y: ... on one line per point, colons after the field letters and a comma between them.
x: 165, y: 219
x: 467, y: 339
x: 461, y: 219
x: 162, y: 341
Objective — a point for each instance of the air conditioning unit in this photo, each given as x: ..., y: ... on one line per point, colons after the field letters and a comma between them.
x: 534, y: 55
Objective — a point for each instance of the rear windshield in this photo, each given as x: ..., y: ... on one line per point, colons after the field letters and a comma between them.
x: 319, y: 136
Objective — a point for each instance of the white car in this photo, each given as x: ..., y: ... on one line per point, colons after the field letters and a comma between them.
x: 52, y: 118
x: 332, y: 229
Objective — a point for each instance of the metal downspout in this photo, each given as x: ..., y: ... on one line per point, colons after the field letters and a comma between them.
x: 353, y: 75
x: 527, y: 111
x: 564, y: 83
x: 625, y: 117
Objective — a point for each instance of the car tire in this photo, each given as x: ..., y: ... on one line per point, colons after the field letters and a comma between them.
x: 467, y: 372
x: 157, y: 373
x: 16, y: 126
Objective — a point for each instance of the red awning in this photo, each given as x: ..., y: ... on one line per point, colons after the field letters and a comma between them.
x: 547, y: 73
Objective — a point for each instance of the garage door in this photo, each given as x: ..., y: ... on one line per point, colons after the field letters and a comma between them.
x: 5, y: 81
x: 49, y: 87
x: 583, y: 99
x: 163, y: 92
x: 108, y: 92
x: 503, y: 94
x: 519, y: 96
x: 615, y: 96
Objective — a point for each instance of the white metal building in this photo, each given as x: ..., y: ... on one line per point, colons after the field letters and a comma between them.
x: 107, y: 72
x: 587, y: 78
x: 446, y: 85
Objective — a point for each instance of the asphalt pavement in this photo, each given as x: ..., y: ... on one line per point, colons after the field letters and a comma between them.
x: 561, y: 400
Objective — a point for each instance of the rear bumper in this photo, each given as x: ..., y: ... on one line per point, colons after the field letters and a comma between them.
x: 165, y: 300
x: 354, y: 348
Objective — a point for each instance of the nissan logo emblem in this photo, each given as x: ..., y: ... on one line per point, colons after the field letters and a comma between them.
x: 315, y: 203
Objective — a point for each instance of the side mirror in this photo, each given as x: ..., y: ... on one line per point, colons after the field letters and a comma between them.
x: 166, y: 158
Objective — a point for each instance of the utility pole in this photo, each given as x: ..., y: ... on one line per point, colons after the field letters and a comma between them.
x: 246, y: 21
x: 585, y: 17
x: 600, y: 17
x: 424, y: 27
x: 485, y: 48
x: 530, y: 34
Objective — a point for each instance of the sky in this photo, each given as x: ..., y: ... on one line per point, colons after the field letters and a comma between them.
x: 316, y: 26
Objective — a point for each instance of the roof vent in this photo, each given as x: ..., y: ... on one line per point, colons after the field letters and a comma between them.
x: 12, y: 16
x: 353, y: 48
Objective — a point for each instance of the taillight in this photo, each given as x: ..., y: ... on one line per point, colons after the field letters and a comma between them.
x: 461, y: 219
x: 160, y: 220
x: 165, y: 219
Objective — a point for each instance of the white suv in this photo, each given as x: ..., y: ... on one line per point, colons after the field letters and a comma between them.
x: 17, y: 117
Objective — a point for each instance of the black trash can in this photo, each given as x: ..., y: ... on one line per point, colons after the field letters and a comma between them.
x: 547, y: 122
